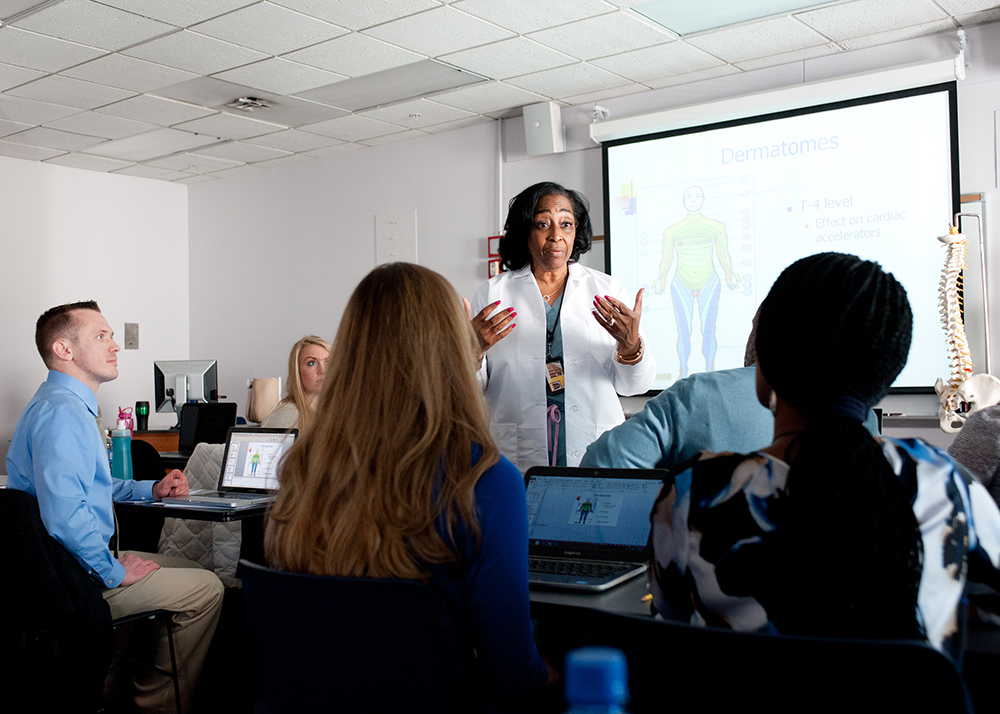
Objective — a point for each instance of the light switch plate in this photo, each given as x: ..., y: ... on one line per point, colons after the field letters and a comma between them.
x: 131, y: 335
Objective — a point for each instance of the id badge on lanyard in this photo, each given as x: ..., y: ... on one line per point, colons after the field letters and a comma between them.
x: 555, y: 377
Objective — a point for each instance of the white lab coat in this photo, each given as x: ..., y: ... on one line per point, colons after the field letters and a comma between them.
x: 514, y: 370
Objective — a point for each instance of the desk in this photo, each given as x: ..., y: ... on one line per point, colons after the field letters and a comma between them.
x: 162, y: 440
x: 625, y: 599
x: 148, y: 516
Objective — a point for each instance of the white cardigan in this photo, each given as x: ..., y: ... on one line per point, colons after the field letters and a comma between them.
x: 514, y: 368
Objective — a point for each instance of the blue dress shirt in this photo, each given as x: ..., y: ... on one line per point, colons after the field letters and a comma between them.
x: 58, y: 455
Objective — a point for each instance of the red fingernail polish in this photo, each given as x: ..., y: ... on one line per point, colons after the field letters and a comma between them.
x: 514, y: 324
x: 510, y: 309
x: 514, y: 315
x: 607, y: 297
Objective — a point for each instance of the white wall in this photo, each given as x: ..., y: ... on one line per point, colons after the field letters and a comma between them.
x: 71, y: 235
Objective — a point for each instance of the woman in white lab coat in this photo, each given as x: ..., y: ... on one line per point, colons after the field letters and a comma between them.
x: 560, y: 341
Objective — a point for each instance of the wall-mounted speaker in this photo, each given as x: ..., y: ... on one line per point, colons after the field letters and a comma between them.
x: 543, y: 130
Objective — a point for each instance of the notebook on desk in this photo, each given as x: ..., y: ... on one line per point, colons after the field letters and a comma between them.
x: 249, y: 469
x: 588, y: 529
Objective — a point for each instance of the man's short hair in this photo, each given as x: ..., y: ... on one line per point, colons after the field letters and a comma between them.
x: 58, y: 322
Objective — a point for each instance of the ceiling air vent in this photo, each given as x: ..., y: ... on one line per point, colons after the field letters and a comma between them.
x: 250, y: 104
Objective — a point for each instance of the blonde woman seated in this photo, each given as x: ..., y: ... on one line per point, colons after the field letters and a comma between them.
x: 398, y: 476
x: 306, y: 369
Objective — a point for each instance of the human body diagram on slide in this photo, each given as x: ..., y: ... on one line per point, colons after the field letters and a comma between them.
x: 705, y: 236
x: 260, y: 459
x: 596, y: 509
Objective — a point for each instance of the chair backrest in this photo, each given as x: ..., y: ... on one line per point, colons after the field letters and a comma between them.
x: 323, y: 643
x: 679, y: 668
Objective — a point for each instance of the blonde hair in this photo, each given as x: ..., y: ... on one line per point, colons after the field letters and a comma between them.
x: 389, y: 458
x: 296, y: 394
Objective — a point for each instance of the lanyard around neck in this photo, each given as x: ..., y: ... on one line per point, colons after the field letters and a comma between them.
x: 550, y: 335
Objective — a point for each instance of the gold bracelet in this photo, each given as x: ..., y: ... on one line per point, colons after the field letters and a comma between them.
x: 634, y: 359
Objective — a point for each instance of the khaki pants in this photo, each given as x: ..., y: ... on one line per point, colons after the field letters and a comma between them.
x: 195, y: 596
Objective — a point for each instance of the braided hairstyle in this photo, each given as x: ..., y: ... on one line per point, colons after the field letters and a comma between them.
x: 834, y: 332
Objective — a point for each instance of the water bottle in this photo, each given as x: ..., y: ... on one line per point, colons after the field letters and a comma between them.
x: 596, y: 681
x: 121, y: 451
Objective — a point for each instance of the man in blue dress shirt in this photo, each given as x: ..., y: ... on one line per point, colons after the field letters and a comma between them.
x: 59, y: 456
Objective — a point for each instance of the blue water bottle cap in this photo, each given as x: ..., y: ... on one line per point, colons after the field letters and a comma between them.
x: 596, y: 675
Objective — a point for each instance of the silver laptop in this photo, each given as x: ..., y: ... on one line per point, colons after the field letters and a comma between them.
x: 588, y: 529
x: 249, y: 469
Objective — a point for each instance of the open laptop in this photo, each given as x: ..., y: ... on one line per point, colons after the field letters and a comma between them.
x: 588, y: 529
x: 249, y: 469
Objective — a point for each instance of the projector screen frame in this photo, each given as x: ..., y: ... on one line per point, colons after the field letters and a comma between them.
x: 950, y: 87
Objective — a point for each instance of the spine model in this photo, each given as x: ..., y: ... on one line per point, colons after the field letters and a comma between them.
x: 951, y: 304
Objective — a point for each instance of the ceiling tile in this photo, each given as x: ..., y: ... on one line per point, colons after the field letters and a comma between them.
x: 509, y: 58
x: 866, y: 17
x: 829, y: 48
x: 270, y: 28
x: 195, y: 53
x: 491, y: 97
x: 284, y: 161
x: 90, y: 23
x: 393, y: 138
x: 238, y: 171
x: 568, y: 81
x: 28, y: 49
x: 457, y: 124
x: 978, y: 18
x: 341, y: 148
x: 439, y: 31
x: 151, y: 145
x: 293, y: 140
x: 214, y: 93
x: 12, y: 127
x: 53, y: 139
x: 602, y: 36
x: 103, y: 125
x: 31, y: 112
x: 962, y: 7
x: 31, y: 153
x: 11, y: 76
x: 416, y: 114
x: 197, y: 179
x: 192, y: 163
x: 179, y: 12
x: 228, y: 126
x: 239, y: 151
x: 759, y: 39
x: 354, y: 55
x: 128, y: 73
x: 905, y: 33
x: 162, y: 112
x: 280, y: 76
x: 605, y: 94
x: 524, y: 16
x: 657, y: 62
x: 356, y: 15
x: 352, y: 128
x: 144, y: 171
x: 57, y: 89
x: 688, y: 77
x: 91, y: 163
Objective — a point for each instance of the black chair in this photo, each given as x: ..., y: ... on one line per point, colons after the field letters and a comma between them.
x: 162, y: 618
x: 682, y: 668
x: 322, y: 643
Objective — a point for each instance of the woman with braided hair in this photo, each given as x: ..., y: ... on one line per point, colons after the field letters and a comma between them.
x: 826, y: 531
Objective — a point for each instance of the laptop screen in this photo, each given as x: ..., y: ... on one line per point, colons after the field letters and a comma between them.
x: 252, y: 458
x: 583, y: 509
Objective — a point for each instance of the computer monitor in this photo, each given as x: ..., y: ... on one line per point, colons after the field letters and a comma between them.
x: 177, y: 382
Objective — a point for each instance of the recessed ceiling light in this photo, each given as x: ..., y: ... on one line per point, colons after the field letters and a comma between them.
x: 685, y: 17
x: 410, y: 81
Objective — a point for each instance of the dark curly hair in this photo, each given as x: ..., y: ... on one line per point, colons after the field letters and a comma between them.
x: 514, y: 253
x: 846, y: 559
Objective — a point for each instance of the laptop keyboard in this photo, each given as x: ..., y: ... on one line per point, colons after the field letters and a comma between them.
x: 235, y: 495
x: 576, y: 568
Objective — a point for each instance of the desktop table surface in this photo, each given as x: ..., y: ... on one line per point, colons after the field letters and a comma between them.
x: 197, y: 513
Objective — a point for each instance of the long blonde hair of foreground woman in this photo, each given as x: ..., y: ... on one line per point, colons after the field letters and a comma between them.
x: 390, y: 448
